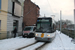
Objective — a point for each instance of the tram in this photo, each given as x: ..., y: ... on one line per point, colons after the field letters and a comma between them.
x: 45, y: 29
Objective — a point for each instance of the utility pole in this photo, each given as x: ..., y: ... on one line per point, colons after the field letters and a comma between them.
x: 60, y: 21
x: 73, y: 40
x: 44, y: 15
x: 74, y: 23
x: 74, y: 19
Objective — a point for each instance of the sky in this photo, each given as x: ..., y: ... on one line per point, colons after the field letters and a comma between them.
x: 53, y: 7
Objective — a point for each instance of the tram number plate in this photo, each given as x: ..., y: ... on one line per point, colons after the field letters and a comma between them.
x: 42, y: 35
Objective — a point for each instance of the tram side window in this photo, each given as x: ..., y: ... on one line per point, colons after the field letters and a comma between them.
x: 54, y: 27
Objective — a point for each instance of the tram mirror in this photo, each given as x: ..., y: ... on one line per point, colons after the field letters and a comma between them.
x: 34, y: 29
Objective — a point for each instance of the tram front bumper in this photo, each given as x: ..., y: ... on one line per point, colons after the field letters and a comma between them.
x: 43, y: 39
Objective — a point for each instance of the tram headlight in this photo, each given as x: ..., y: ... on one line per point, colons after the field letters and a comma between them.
x: 36, y: 34
x: 48, y: 35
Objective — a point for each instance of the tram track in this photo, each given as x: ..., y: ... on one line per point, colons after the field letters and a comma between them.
x: 38, y: 48
x: 27, y: 45
x: 41, y: 46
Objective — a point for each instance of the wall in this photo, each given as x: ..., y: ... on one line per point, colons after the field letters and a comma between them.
x: 7, y: 19
x: 3, y: 15
x: 3, y: 18
x: 10, y: 18
x: 30, y: 13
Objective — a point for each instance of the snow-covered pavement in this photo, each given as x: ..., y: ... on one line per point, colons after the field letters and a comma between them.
x: 61, y: 42
x: 15, y: 43
x: 34, y: 46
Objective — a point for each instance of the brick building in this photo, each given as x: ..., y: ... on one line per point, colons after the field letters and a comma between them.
x: 31, y: 13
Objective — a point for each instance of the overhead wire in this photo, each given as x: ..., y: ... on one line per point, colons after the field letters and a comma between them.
x: 50, y: 6
x: 58, y: 35
x: 30, y: 11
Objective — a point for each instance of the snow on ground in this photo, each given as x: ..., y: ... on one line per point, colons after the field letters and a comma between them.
x: 61, y: 42
x: 66, y: 40
x: 15, y: 43
x: 34, y: 46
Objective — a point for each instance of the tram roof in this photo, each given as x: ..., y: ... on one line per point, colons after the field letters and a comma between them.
x: 44, y: 17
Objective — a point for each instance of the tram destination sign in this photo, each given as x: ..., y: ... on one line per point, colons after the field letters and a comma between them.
x: 42, y: 20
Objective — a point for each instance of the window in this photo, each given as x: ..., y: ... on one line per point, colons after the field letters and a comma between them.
x: 0, y: 24
x: 16, y: 9
x: 0, y: 4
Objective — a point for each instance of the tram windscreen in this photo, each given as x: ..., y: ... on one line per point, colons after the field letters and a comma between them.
x: 27, y: 28
x: 43, y: 25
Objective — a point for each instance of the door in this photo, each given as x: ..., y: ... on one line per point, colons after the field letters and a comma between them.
x: 15, y: 25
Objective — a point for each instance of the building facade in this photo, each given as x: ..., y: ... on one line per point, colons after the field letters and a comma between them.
x: 3, y: 15
x: 31, y: 13
x: 14, y: 19
x: 10, y: 16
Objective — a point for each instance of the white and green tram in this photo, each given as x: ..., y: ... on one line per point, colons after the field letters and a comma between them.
x: 45, y: 29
